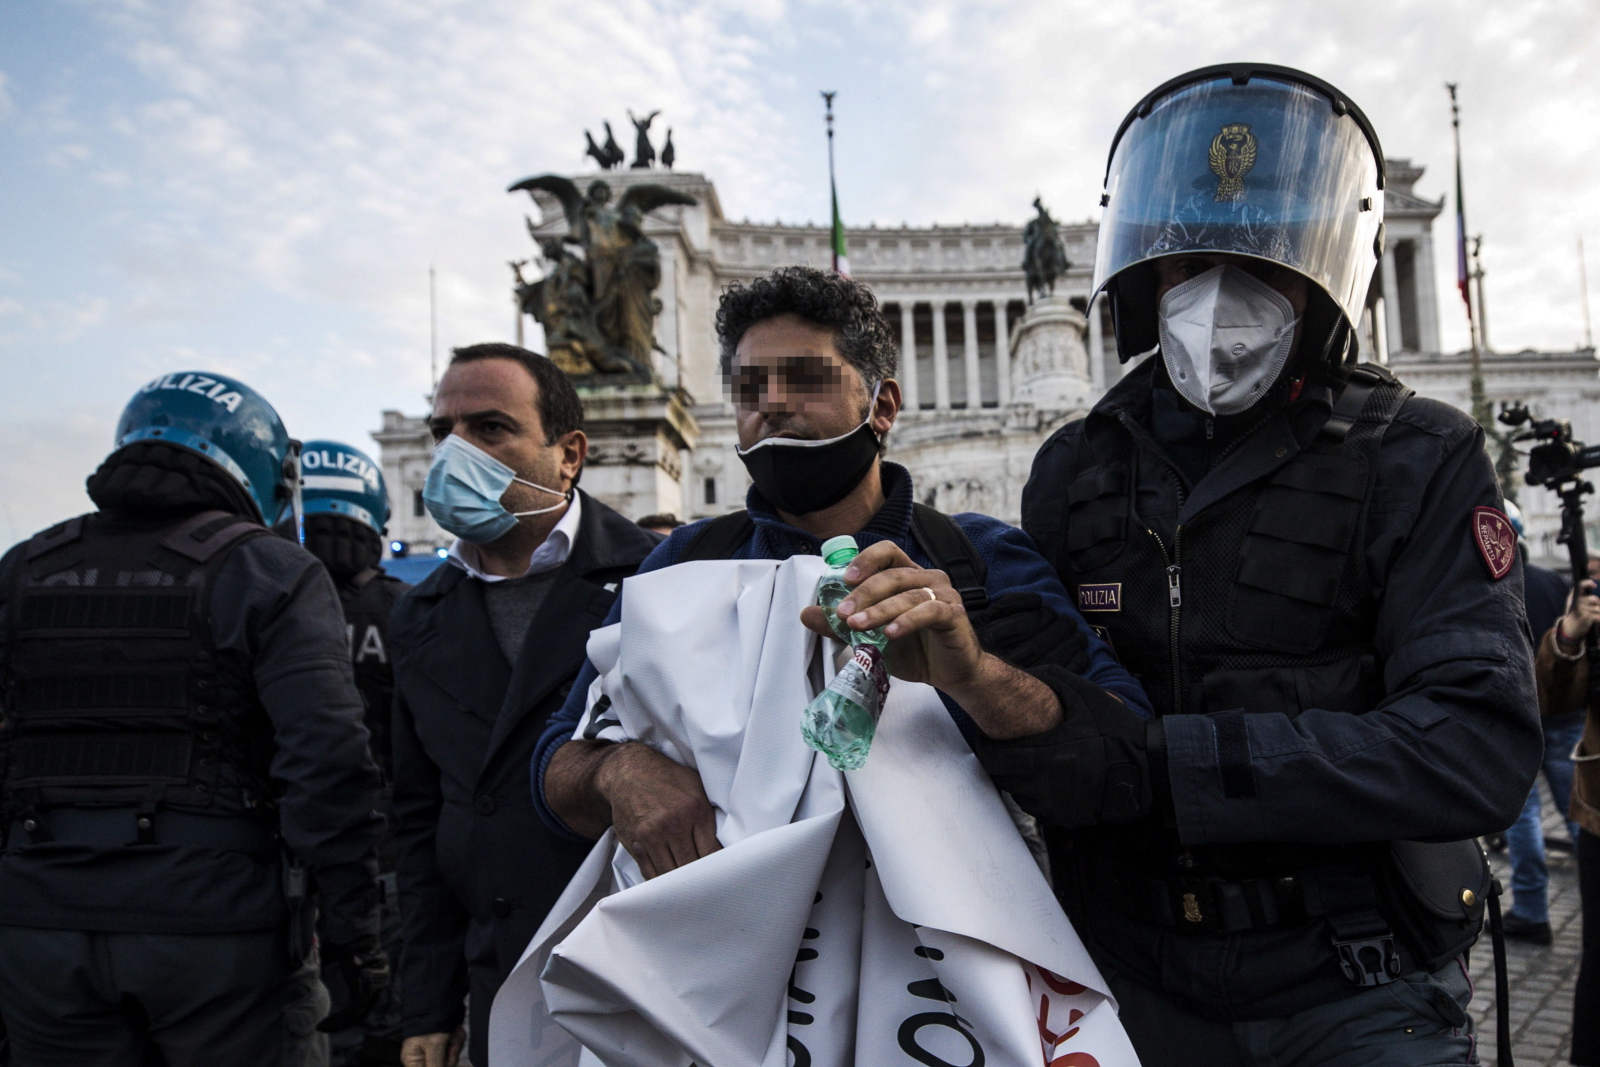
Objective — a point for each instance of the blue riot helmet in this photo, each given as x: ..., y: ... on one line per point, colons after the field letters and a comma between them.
x: 225, y: 421
x: 1250, y: 159
x: 1514, y: 513
x: 337, y: 479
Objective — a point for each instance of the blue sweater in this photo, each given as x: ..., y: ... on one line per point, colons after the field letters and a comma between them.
x: 1015, y: 566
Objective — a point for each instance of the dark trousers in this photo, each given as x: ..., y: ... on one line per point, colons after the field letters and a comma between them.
x: 376, y: 1039
x: 1586, y: 995
x: 71, y: 998
x: 1418, y: 1019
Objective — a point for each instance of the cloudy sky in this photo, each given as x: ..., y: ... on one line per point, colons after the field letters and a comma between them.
x: 258, y: 187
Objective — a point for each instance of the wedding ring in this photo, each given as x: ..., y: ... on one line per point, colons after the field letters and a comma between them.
x: 931, y: 594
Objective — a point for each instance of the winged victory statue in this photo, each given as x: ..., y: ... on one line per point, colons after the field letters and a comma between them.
x: 597, y: 300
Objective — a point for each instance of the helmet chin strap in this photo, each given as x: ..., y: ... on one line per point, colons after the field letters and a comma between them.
x: 291, y: 474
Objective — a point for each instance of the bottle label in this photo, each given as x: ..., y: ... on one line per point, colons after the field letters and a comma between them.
x: 864, y: 680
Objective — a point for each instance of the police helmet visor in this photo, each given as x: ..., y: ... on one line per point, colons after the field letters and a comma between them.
x: 1272, y: 169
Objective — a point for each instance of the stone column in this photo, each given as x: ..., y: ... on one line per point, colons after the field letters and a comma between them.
x: 1391, y: 300
x: 908, y: 356
x: 1380, y: 330
x: 1051, y: 365
x: 1002, y: 351
x: 1097, y: 348
x: 638, y: 435
x: 969, y: 335
x: 1422, y: 270
x: 941, y: 360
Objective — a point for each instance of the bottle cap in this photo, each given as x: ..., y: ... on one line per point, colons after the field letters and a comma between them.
x: 840, y: 544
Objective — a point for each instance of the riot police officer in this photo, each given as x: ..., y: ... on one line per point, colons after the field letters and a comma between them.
x: 184, y: 760
x: 1308, y: 569
x: 346, y: 507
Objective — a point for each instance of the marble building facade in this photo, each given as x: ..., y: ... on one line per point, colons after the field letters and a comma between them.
x: 984, y: 385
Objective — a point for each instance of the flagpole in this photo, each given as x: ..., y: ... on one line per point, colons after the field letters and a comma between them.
x: 433, y: 336
x: 841, y: 264
x: 1480, y: 404
x: 1583, y: 293
x: 1483, y: 304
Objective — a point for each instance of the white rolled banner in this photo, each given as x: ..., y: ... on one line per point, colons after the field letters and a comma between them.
x: 885, y: 916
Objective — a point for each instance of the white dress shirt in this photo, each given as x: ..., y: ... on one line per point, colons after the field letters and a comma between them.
x: 552, y: 553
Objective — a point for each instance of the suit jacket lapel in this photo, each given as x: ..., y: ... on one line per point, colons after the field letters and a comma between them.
x: 459, y: 652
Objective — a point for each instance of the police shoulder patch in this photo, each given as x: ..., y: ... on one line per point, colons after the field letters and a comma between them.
x: 1496, y: 539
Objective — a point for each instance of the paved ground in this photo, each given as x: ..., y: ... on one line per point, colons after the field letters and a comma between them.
x: 1541, y: 978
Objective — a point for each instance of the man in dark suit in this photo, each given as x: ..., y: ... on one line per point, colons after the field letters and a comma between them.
x: 484, y: 649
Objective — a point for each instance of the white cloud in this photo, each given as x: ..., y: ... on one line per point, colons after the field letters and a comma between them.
x: 269, y: 180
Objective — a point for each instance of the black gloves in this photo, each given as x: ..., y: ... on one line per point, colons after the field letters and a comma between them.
x: 356, y: 975
x: 1096, y: 767
x: 1021, y: 630
x: 1102, y: 764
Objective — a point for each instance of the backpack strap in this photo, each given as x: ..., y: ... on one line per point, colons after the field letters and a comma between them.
x: 208, y: 533
x: 49, y: 540
x: 720, y: 538
x: 952, y: 551
x: 359, y: 582
x: 1363, y: 378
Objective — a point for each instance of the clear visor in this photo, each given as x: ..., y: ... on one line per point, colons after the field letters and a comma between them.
x: 1265, y: 169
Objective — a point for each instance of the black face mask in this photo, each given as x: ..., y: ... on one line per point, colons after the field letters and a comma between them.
x: 800, y: 477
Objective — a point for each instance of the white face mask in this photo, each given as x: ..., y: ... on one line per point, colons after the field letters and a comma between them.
x: 1225, y: 335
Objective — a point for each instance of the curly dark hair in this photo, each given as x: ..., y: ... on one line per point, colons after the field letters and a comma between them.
x: 832, y: 301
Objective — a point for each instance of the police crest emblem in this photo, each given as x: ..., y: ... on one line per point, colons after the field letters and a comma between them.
x: 1233, y: 153
x: 1496, y: 539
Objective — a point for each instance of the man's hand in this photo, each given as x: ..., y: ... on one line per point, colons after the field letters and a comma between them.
x: 931, y: 640
x: 930, y: 637
x: 658, y: 808
x: 433, y: 1050
x: 1582, y: 613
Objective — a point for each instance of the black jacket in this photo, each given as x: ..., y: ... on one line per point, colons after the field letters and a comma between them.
x: 478, y: 870
x: 1445, y: 747
x: 273, y: 607
x: 1449, y: 749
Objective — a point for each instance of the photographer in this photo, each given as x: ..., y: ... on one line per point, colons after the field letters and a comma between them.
x: 1546, y: 593
x: 1562, y: 672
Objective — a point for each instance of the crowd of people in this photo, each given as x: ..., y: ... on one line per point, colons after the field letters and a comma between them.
x: 1258, y: 661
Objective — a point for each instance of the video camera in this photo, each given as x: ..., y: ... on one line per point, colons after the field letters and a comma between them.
x: 1558, y: 459
x: 1556, y: 463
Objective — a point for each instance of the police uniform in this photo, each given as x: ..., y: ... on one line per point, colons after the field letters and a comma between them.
x: 346, y: 510
x: 183, y: 752
x: 1324, y: 603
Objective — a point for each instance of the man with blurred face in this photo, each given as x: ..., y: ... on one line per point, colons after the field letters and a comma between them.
x: 811, y: 365
x: 484, y: 651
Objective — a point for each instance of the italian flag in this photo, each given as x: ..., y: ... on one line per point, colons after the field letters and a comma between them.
x: 841, y: 257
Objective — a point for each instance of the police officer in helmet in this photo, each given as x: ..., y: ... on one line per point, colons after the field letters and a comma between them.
x: 346, y: 507
x: 184, y: 759
x: 1308, y: 568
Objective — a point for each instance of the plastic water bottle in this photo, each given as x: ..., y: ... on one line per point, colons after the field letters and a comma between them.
x: 840, y: 722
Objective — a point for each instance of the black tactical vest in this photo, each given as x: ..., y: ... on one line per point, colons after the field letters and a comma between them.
x: 115, y: 695
x: 367, y: 599
x: 1262, y: 601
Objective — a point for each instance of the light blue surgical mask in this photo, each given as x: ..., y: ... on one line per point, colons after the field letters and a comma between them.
x: 464, y: 488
